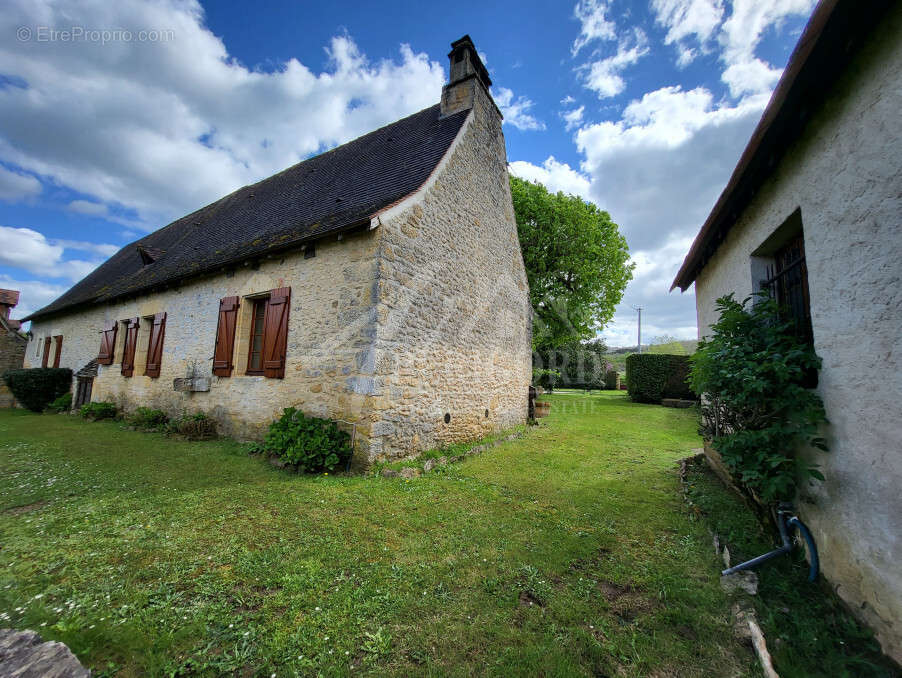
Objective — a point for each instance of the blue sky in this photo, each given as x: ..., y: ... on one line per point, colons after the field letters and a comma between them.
x: 641, y: 107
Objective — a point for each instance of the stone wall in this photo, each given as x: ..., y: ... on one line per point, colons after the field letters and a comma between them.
x: 453, y: 360
x: 12, y: 356
x: 844, y: 175
x: 422, y: 316
x: 330, y: 330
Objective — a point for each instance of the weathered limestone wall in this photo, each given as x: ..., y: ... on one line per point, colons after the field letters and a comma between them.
x: 330, y: 331
x: 845, y: 176
x: 454, y: 316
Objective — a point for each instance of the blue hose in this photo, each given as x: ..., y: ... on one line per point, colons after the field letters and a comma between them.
x: 814, y: 561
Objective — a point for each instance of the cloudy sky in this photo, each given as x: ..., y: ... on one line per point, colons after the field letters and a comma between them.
x: 117, y: 117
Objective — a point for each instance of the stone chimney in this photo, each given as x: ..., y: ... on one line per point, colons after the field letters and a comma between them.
x: 467, y: 74
x: 8, y: 300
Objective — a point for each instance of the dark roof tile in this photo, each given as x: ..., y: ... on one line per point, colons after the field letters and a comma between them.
x: 323, y: 195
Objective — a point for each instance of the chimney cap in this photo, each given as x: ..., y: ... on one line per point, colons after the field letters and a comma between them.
x: 465, y: 44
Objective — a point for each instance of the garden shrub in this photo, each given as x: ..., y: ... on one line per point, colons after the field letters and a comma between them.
x: 756, y: 410
x: 145, y: 417
x: 37, y: 387
x: 310, y: 443
x: 547, y: 379
x: 62, y: 404
x: 654, y: 376
x: 97, y: 411
x: 611, y: 380
x: 197, y: 426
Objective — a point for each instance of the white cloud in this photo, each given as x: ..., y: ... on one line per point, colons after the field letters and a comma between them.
x: 658, y: 171
x: 34, y: 294
x: 604, y: 76
x: 15, y: 186
x: 516, y: 110
x: 740, y: 35
x: 662, y: 313
x: 555, y: 176
x: 163, y: 128
x: 594, y: 23
x: 31, y: 251
x: 750, y: 77
x: 687, y: 22
x: 573, y: 118
x: 94, y: 209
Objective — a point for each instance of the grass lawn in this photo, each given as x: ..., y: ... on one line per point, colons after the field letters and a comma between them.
x: 567, y: 552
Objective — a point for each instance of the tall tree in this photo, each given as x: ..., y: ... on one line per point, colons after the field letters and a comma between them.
x: 576, y: 262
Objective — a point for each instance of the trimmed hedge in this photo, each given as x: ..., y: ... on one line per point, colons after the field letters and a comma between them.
x: 37, y: 387
x: 651, y: 377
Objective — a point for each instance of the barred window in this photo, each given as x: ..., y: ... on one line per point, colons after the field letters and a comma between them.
x: 787, y: 282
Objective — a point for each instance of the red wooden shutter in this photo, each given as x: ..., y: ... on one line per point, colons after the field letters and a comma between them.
x: 46, y: 357
x: 107, y: 344
x: 59, y: 349
x: 225, y: 337
x: 155, y: 345
x: 131, y: 342
x: 275, y: 333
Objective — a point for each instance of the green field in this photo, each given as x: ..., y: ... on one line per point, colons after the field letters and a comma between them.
x: 568, y: 552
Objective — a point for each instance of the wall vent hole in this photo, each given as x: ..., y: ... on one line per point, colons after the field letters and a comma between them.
x: 447, y: 418
x: 486, y: 414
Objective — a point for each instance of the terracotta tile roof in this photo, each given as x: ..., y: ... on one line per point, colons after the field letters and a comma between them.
x: 323, y: 195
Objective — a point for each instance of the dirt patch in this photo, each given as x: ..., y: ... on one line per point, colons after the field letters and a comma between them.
x: 627, y: 602
x: 26, y: 508
x: 583, y: 563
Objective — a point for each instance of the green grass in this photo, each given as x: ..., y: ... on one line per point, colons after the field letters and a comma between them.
x: 567, y: 552
x: 809, y: 632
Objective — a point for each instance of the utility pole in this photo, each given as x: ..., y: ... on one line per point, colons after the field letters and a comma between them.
x: 639, y: 309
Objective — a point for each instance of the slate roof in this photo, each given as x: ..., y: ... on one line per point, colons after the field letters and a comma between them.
x: 324, y: 195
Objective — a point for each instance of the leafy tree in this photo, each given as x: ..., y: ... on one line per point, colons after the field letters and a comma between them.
x: 576, y: 263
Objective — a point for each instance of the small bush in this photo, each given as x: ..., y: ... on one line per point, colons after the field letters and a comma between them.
x: 653, y: 376
x: 145, y: 417
x: 62, y: 404
x: 611, y: 380
x: 310, y: 443
x: 37, y: 387
x: 97, y: 411
x: 197, y: 426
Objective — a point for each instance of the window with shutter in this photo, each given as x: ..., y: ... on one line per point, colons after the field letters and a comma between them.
x: 46, y: 357
x: 275, y: 333
x: 128, y: 351
x: 255, y: 345
x: 225, y: 337
x: 155, y: 345
x: 107, y: 344
x: 57, y: 350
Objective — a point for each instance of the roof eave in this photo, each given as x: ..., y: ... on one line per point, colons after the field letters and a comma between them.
x: 824, y: 48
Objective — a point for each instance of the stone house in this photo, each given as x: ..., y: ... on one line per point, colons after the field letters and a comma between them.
x: 813, y: 212
x: 12, y: 343
x: 380, y: 283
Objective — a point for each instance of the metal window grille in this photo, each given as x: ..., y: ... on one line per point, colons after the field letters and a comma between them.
x: 788, y: 283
